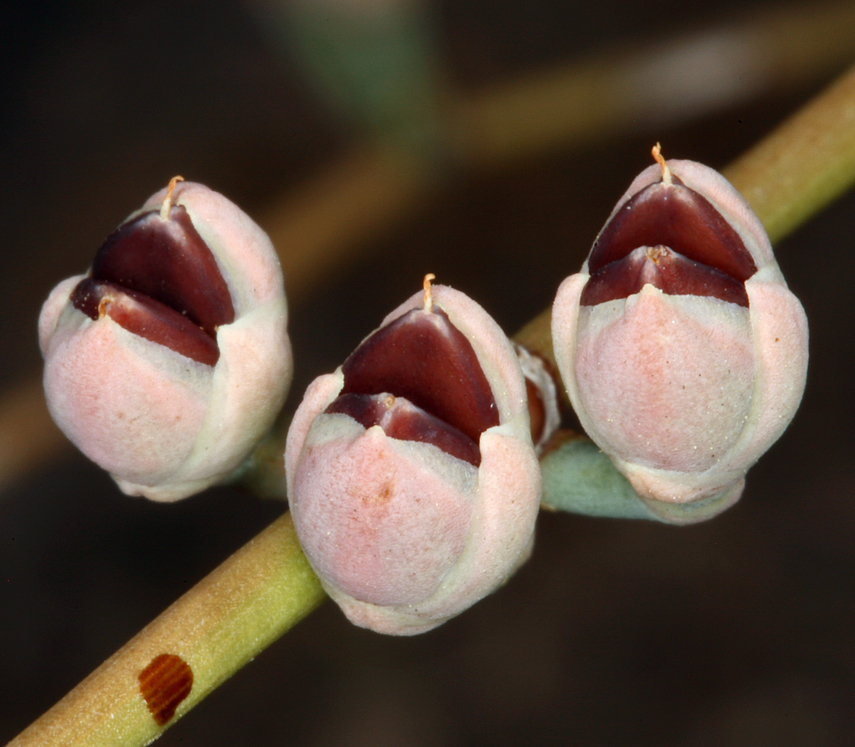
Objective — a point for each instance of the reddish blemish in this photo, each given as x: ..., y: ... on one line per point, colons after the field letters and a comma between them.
x: 164, y: 683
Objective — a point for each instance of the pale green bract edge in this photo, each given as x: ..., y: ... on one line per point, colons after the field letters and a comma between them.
x: 579, y: 478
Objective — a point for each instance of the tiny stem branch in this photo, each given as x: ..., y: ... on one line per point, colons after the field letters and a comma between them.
x: 791, y: 175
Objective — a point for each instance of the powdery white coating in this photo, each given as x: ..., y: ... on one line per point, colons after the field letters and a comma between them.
x: 402, y: 535
x: 361, y: 474
x: 684, y: 393
x: 163, y: 425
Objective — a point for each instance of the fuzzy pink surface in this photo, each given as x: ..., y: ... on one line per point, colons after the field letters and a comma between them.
x: 685, y: 393
x: 402, y: 535
x: 380, y: 516
x: 114, y: 399
x: 163, y: 425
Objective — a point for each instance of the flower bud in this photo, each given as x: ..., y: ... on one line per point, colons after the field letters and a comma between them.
x: 169, y: 360
x: 543, y: 409
x: 683, y: 352
x: 412, y: 477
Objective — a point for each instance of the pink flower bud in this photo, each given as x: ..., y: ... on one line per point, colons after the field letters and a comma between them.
x: 683, y: 352
x: 412, y: 478
x: 169, y: 360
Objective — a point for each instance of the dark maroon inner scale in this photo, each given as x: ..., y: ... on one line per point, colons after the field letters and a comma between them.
x: 158, y: 279
x: 420, y: 380
x: 673, y: 238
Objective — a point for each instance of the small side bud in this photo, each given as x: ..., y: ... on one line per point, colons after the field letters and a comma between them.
x: 683, y: 352
x: 168, y: 361
x: 543, y: 409
x: 412, y: 477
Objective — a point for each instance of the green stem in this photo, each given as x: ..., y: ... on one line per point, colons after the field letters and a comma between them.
x: 224, y: 621
x: 267, y: 586
x: 789, y: 176
x: 804, y: 164
x: 792, y: 174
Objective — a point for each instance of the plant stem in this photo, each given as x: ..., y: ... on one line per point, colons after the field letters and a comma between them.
x: 267, y: 586
x: 793, y: 173
x: 641, y: 87
x: 378, y: 186
x: 224, y: 621
x: 804, y: 164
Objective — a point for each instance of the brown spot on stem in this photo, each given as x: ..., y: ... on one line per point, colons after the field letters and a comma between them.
x: 164, y: 683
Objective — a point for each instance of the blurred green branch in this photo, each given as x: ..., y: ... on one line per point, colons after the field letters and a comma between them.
x: 265, y: 588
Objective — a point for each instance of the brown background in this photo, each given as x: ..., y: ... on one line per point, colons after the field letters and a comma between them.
x: 736, y: 632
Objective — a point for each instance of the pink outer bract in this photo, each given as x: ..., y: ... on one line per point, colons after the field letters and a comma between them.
x: 163, y: 425
x: 684, y: 393
x: 402, y: 535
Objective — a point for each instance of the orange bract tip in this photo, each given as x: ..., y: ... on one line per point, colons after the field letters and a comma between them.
x: 428, y: 297
x: 167, y: 201
x: 660, y: 159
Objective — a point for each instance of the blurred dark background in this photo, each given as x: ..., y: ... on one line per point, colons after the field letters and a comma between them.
x: 734, y: 632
